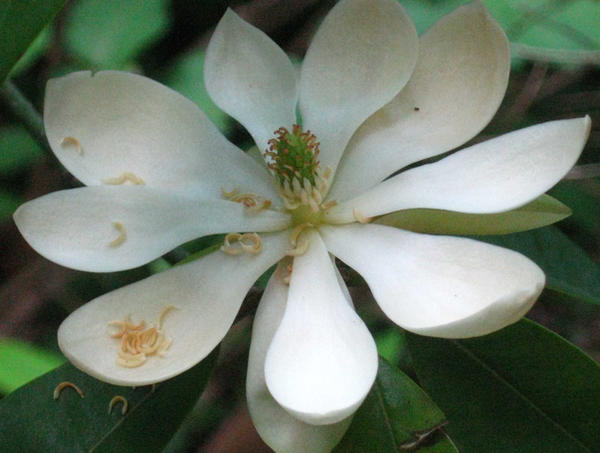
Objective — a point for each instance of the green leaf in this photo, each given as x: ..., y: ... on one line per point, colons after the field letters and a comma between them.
x: 396, y: 416
x: 33, y: 421
x: 110, y: 34
x: 187, y: 77
x: 21, y: 362
x: 542, y: 211
x: 17, y: 150
x: 522, y: 389
x: 37, y: 48
x: 20, y: 23
x: 568, y: 269
x: 559, y: 31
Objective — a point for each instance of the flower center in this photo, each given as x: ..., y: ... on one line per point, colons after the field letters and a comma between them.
x: 293, y: 158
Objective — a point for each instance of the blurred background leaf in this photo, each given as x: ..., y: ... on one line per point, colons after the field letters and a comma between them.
x: 21, y: 362
x: 20, y: 23
x: 109, y: 34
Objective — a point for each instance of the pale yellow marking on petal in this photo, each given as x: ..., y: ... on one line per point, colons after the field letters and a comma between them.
x: 64, y: 384
x: 117, y: 399
x: 123, y: 178
x: 359, y: 217
x: 72, y: 141
x: 122, y: 235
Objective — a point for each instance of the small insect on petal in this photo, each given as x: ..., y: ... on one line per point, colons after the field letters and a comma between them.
x: 64, y: 384
x: 72, y: 142
x: 122, y: 235
x: 116, y: 399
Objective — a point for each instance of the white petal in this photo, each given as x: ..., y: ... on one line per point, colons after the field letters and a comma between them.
x: 111, y: 123
x: 323, y: 360
x: 439, y: 286
x: 76, y: 228
x: 494, y: 176
x: 362, y: 55
x: 278, y: 429
x: 206, y: 293
x: 456, y: 88
x: 250, y: 78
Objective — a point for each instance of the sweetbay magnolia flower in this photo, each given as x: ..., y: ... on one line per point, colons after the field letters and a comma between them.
x: 373, y: 98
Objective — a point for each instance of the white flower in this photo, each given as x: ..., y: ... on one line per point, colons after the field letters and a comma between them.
x: 377, y: 98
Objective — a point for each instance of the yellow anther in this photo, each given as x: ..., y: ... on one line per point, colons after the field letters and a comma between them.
x: 122, y: 235
x: 138, y: 343
x: 359, y: 217
x: 116, y: 399
x: 64, y: 384
x: 165, y: 310
x: 123, y: 178
x: 228, y: 247
x: 252, y: 202
x: 237, y: 243
x: 297, y: 230
x: 300, y: 249
x: 251, y: 242
x: 72, y: 141
x: 228, y: 195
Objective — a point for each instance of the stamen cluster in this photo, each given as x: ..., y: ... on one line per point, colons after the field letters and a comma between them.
x: 139, y: 342
x: 293, y: 158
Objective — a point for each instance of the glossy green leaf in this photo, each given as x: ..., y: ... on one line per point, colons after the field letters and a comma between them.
x: 543, y: 211
x: 110, y: 34
x: 21, y: 362
x: 17, y: 150
x: 33, y: 421
x: 522, y: 389
x: 568, y: 268
x: 20, y: 23
x: 396, y: 416
x: 583, y: 196
x: 187, y: 77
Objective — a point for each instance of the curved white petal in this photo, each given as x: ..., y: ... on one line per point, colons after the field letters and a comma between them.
x: 362, y: 55
x: 278, y: 429
x: 494, y: 176
x: 206, y: 294
x: 113, y: 123
x: 322, y: 360
x: 250, y: 78
x: 104, y: 229
x: 439, y: 286
x: 457, y: 86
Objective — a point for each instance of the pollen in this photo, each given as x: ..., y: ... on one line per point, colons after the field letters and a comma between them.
x: 138, y: 342
x: 118, y: 399
x: 72, y: 142
x: 64, y: 384
x: 122, y: 235
x: 238, y: 243
x: 123, y: 178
